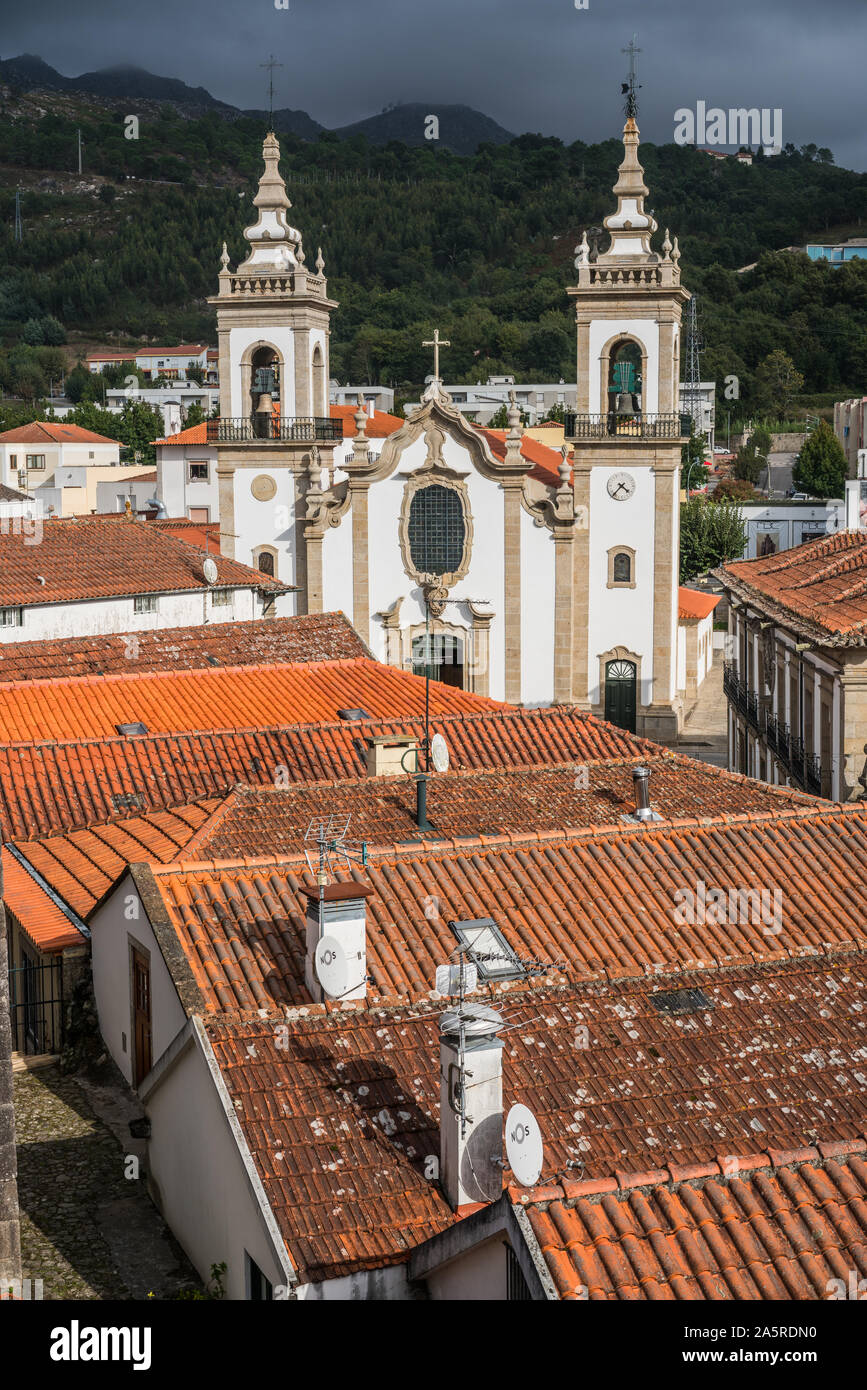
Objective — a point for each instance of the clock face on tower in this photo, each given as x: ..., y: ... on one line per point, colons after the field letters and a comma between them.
x: 621, y: 486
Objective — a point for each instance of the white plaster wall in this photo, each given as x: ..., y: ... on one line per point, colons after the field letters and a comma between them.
x: 622, y: 617
x: 790, y: 522
x: 113, y: 932
x: 116, y: 615
x: 537, y: 613
x: 681, y: 658
x: 173, y: 486
x: 337, y: 578
x: 644, y: 331
x: 280, y: 338
x: 201, y: 1182
x: 266, y: 523
x: 317, y: 335
x: 387, y: 1285
x: 478, y: 1274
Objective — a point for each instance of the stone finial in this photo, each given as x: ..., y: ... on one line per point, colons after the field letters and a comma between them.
x: 320, y: 261
x: 513, y: 414
x: 565, y: 470
x: 299, y: 254
x: 582, y: 251
x: 675, y: 254
x: 224, y: 258
x: 360, y: 418
x: 666, y: 247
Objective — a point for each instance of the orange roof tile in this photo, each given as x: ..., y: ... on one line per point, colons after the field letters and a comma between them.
x: 546, y: 459
x: 377, y: 426
x: 313, y: 637
x: 52, y: 432
x: 692, y: 604
x: 820, y: 587
x: 223, y: 698
x: 81, y: 558
x: 47, y: 926
x: 193, y: 434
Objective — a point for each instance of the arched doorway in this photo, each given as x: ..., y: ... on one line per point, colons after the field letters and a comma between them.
x: 620, y: 686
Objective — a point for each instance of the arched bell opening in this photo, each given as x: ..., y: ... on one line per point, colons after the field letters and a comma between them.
x: 264, y: 391
x: 624, y: 390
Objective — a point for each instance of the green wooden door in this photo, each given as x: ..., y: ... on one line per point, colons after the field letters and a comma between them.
x: 620, y: 694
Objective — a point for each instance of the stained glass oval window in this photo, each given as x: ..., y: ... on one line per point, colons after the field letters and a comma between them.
x: 436, y: 530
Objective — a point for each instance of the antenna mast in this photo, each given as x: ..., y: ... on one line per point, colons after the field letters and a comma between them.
x: 694, y: 345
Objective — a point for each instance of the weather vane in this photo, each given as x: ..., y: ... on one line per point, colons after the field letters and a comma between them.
x: 271, y: 65
x: 629, y: 89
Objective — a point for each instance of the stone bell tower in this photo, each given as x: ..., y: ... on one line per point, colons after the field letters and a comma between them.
x: 274, y: 431
x: 626, y: 438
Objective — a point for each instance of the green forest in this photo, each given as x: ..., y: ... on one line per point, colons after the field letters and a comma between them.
x: 481, y: 246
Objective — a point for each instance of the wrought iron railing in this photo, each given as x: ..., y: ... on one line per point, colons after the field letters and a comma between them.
x: 805, y: 769
x: 288, y: 429
x: 634, y: 426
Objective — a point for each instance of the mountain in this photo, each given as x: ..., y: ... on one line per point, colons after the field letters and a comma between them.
x: 132, y: 83
x: 29, y: 71
x: 461, y: 128
x: 298, y: 122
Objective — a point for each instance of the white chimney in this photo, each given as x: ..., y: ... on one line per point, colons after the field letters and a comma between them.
x: 384, y: 756
x: 853, y: 504
x: 371, y: 407
x: 340, y: 914
x: 471, y: 1106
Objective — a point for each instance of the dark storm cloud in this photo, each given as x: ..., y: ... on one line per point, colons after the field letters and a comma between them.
x: 531, y: 64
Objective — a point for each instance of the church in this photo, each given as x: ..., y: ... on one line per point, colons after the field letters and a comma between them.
x: 481, y: 556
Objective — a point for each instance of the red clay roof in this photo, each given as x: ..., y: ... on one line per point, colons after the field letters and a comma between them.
x: 341, y: 1109
x: 377, y: 426
x: 130, y: 354
x: 93, y: 557
x: 202, y: 533
x: 610, y: 902
x: 48, y: 432
x: 43, y: 921
x: 691, y: 604
x: 313, y: 637
x: 546, y: 459
x: 193, y: 434
x: 820, y: 587
x: 753, y: 1226
x: 48, y: 786
x: 183, y: 701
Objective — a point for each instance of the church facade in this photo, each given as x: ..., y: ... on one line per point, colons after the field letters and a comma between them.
x: 482, y: 556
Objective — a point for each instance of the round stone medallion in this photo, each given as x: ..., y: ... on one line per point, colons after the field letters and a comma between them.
x: 263, y: 488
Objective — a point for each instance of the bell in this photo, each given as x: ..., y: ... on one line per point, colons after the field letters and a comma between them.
x: 625, y: 404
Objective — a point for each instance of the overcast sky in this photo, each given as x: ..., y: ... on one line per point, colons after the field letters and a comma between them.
x: 539, y: 65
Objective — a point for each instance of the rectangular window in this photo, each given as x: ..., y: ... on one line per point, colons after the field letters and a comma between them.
x: 259, y: 1289
x: 35, y: 460
x: 222, y: 598
x: 13, y: 460
x: 198, y: 472
x: 199, y: 513
x: 144, y: 603
x: 11, y: 617
x: 91, y: 454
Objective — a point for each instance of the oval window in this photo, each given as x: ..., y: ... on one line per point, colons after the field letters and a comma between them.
x: 436, y: 530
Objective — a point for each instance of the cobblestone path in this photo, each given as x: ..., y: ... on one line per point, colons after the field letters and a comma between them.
x: 87, y: 1231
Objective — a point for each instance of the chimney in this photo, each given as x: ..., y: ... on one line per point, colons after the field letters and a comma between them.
x: 342, y: 915
x: 471, y: 1106
x: 371, y: 407
x: 384, y: 756
x: 641, y: 788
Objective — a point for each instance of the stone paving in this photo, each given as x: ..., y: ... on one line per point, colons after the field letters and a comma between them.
x: 705, y: 735
x: 87, y: 1230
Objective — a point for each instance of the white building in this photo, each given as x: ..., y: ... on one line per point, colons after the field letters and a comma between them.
x: 775, y: 526
x: 173, y: 401
x: 377, y: 397
x: 161, y: 361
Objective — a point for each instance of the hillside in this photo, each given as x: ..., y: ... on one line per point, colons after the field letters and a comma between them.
x: 480, y: 245
x: 461, y: 129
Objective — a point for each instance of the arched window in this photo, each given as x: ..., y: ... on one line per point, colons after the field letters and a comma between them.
x: 266, y: 562
x: 436, y: 530
x: 320, y: 408
x: 622, y: 567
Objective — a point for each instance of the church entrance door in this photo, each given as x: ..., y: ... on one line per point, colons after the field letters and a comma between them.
x: 620, y: 694
x: 445, y: 658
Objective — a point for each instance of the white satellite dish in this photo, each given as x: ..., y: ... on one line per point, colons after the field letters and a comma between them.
x: 332, y: 967
x: 439, y: 753
x: 209, y: 569
x: 524, y: 1145
x: 448, y: 979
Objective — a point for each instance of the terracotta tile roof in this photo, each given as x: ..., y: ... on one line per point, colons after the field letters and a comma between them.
x: 202, y: 533
x: 377, y: 426
x: 221, y: 698
x: 341, y: 1109
x: 609, y: 902
x: 129, y: 355
x: 692, y: 604
x: 314, y: 637
x: 48, y: 786
x: 820, y: 587
x: 95, y: 557
x: 193, y: 434
x: 753, y: 1227
x: 43, y: 921
x: 82, y: 865
x: 546, y: 459
x: 52, y: 432
x: 11, y: 494
x: 507, y: 802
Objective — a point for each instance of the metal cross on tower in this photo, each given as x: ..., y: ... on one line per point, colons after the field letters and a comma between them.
x: 629, y: 88
x: 271, y: 65
x: 436, y: 342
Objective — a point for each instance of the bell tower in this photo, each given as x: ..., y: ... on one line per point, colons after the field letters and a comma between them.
x: 273, y: 315
x: 626, y: 438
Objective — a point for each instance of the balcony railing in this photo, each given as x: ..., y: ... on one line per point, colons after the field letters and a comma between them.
x: 291, y: 429
x: 803, y: 768
x: 637, y: 426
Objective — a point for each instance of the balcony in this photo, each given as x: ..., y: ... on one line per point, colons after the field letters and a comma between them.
x: 637, y: 426
x: 292, y: 429
x: 802, y: 768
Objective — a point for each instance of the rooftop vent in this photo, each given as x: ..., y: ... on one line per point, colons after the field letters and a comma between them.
x: 641, y: 789
x: 128, y: 729
x: 353, y: 714
x: 680, y: 1001
x: 212, y: 660
x: 128, y: 801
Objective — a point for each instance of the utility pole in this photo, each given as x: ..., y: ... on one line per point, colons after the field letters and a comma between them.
x: 19, y: 226
x: 79, y: 151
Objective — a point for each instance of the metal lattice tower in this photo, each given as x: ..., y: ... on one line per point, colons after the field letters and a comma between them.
x: 19, y: 225
x: 692, y: 366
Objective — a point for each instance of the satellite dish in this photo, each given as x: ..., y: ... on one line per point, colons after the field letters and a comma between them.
x: 524, y: 1145
x: 448, y: 979
x: 209, y: 569
x: 332, y: 968
x: 439, y: 753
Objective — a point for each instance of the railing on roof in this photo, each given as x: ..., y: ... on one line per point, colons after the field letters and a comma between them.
x: 288, y: 429
x: 636, y: 426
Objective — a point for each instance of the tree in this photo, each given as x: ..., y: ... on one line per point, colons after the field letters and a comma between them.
x: 194, y: 416
x: 692, y: 458
x: 711, y: 533
x: 33, y: 332
x: 53, y: 332
x: 79, y: 383
x: 500, y: 419
x: 752, y: 456
x: 777, y: 381
x: 821, y: 467
x: 736, y: 490
x: 108, y: 193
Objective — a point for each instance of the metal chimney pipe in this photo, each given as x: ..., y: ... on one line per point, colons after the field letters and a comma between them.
x: 641, y: 789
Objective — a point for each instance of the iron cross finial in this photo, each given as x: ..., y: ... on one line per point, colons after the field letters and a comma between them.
x: 629, y: 89
x: 436, y: 342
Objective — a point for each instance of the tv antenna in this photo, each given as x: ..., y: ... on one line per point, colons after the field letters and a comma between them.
x: 629, y: 89
x: 330, y: 850
x: 524, y: 1148
x: 271, y: 65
